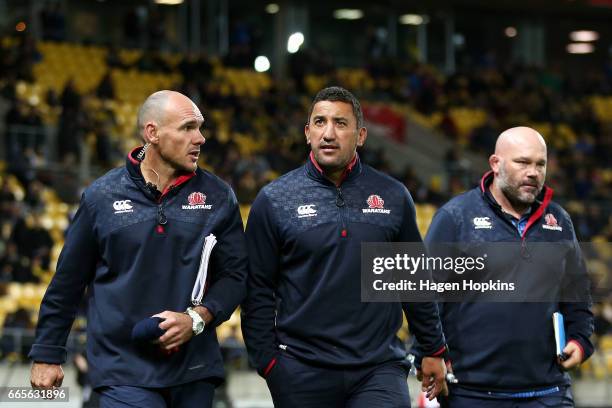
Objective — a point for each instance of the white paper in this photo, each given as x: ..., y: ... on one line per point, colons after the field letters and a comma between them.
x: 198, y: 288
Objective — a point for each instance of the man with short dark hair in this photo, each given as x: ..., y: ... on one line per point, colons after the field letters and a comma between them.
x: 305, y: 327
x: 136, y: 244
x: 504, y: 354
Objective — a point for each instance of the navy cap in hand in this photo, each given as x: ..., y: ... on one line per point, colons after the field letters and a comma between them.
x: 147, y: 330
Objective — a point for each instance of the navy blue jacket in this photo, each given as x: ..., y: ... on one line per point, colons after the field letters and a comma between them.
x: 304, y: 238
x: 510, y: 346
x: 134, y: 266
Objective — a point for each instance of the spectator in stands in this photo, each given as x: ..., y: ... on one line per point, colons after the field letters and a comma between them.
x: 14, y: 267
x: 20, y: 320
x: 105, y: 149
x: 135, y: 270
x: 447, y: 125
x: 603, y: 318
x: 133, y: 22
x: 70, y: 98
x: 113, y: 60
x: 33, y: 240
x: 72, y: 123
x: 52, y: 98
x: 33, y: 195
x: 304, y: 234
x: 15, y: 120
x: 27, y: 55
x: 53, y: 22
x: 484, y: 338
x: 7, y: 200
x: 105, y: 89
x: 152, y: 61
x: 156, y: 29
x: 483, y: 137
x: 247, y: 187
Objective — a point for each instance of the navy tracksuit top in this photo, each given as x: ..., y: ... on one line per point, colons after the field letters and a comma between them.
x: 134, y: 265
x: 510, y: 347
x: 304, y: 238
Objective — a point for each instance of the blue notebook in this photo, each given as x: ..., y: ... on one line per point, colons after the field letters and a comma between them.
x: 559, y: 328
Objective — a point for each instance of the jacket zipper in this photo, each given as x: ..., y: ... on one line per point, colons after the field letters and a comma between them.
x: 162, y: 220
x: 341, y: 208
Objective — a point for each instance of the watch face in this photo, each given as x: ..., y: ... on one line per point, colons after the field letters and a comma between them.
x: 198, y: 323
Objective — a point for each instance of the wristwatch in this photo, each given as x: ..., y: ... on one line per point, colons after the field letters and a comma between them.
x: 198, y: 323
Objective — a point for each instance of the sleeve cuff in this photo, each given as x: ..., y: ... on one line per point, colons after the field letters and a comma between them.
x: 264, y: 369
x: 43, y: 353
x: 440, y: 353
x: 576, y: 342
x: 214, y: 310
x: 264, y: 373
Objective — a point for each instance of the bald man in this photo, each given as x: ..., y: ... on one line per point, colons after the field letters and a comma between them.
x: 503, y: 354
x: 135, y: 244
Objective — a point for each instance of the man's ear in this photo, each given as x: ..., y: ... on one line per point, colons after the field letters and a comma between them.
x: 150, y: 133
x: 495, y: 163
x: 362, y: 136
x: 307, y: 133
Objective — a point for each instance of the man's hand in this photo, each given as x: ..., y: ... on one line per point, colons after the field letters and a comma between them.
x: 433, y: 371
x: 178, y: 327
x: 574, y: 356
x: 45, y: 375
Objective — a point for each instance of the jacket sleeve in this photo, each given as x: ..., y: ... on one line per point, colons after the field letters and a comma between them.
x: 75, y: 269
x: 578, y: 317
x: 442, y: 229
x: 259, y: 307
x: 423, y: 317
x: 227, y: 285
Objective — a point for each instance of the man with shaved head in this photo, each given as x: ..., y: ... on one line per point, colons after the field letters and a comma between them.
x: 519, y: 166
x: 504, y: 353
x: 135, y: 246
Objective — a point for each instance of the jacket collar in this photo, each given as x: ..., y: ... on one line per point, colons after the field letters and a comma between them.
x: 132, y: 164
x: 314, y: 171
x: 540, y: 205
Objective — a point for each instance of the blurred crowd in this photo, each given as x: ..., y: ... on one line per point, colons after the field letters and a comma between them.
x: 253, y: 139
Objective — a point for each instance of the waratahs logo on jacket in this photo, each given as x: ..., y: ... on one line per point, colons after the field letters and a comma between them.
x: 197, y: 201
x: 375, y: 205
x: 550, y: 223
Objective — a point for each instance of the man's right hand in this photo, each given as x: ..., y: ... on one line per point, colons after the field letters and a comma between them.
x: 433, y: 377
x: 45, y: 375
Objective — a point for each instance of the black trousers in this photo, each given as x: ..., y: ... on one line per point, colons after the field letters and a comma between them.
x: 296, y: 384
x: 561, y: 399
x: 197, y: 394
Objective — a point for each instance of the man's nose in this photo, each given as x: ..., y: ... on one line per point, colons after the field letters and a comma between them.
x: 329, y: 133
x: 532, y: 172
x: 200, y: 140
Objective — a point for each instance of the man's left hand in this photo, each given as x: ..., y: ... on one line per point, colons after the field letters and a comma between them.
x: 574, y: 356
x: 178, y: 327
